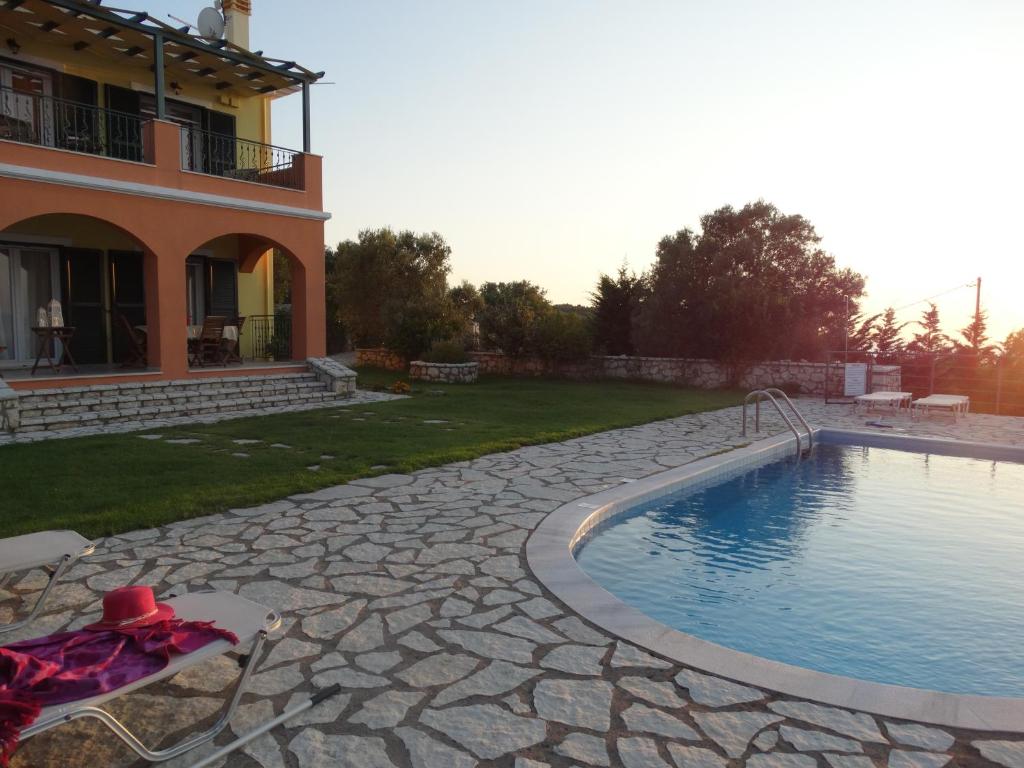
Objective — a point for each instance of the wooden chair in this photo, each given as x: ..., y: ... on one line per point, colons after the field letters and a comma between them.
x: 208, y: 347
x: 137, y: 341
x: 231, y: 346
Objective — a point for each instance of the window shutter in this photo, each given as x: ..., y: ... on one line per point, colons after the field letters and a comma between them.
x: 124, y: 136
x: 81, y: 276
x: 223, y: 288
x: 223, y: 150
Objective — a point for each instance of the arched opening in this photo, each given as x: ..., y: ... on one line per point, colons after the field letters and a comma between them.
x: 79, y: 272
x: 241, y: 277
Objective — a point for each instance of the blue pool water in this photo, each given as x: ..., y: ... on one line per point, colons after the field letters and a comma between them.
x: 878, y: 564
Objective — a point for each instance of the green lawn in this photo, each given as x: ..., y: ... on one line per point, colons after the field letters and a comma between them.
x: 104, y: 485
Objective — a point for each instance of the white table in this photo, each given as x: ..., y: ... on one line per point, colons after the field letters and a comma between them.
x: 230, y: 332
x: 193, y: 331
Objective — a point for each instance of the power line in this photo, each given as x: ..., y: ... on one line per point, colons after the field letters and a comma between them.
x: 935, y: 296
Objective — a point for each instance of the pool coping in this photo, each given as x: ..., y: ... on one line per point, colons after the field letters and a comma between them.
x: 549, y: 553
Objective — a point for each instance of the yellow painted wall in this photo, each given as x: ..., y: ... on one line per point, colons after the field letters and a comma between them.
x: 74, y: 231
x: 251, y: 112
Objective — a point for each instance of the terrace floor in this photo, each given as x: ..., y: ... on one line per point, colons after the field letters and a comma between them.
x: 412, y: 592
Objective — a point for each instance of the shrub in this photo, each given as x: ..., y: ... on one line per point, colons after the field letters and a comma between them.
x: 445, y: 352
x: 560, y: 337
x: 414, y: 331
x: 509, y: 311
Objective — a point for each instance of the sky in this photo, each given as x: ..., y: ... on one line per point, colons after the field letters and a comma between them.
x: 553, y: 140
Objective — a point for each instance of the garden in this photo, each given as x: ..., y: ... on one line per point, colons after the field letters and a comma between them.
x: 121, y: 482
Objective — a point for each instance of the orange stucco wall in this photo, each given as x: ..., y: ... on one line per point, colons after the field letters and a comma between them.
x: 169, y: 230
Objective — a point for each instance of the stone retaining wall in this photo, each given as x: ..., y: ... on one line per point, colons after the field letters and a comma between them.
x: 38, y: 410
x: 379, y: 357
x: 447, y: 373
x: 10, y: 413
x: 338, y: 378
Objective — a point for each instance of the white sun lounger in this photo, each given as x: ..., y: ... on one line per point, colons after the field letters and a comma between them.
x: 959, y: 404
x: 895, y: 400
x: 54, y: 550
x: 248, y: 620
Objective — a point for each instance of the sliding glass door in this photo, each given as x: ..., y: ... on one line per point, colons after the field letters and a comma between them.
x: 6, y: 307
x: 28, y: 280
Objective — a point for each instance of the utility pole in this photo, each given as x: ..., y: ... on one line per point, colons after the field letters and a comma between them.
x: 846, y: 344
x: 977, y: 299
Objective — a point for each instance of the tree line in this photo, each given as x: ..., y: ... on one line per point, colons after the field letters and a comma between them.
x: 751, y: 284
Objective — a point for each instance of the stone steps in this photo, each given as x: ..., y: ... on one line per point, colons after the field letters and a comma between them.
x: 71, y: 407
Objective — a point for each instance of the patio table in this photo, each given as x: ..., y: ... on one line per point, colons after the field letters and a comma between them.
x: 48, y: 335
x: 230, y: 331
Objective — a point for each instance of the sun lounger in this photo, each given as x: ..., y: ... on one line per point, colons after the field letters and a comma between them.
x: 55, y: 550
x: 895, y: 400
x: 248, y: 620
x: 958, y: 404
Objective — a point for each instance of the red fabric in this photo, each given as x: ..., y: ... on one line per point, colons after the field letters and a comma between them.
x: 71, y: 666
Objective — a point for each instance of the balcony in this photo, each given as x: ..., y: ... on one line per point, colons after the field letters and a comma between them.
x: 217, y: 154
x: 46, y: 121
x: 50, y: 122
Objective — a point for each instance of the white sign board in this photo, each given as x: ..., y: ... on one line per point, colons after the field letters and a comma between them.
x: 855, y: 379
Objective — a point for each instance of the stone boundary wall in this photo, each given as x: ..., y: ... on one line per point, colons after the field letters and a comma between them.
x: 379, y: 357
x: 338, y: 378
x: 702, y: 374
x: 446, y: 373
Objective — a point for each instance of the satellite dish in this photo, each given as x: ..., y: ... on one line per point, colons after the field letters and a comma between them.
x: 210, y: 24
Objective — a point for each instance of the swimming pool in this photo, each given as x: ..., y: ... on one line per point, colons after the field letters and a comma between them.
x: 895, y: 566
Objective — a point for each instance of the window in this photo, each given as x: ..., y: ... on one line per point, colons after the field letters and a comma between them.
x: 211, y: 288
x: 26, y: 111
x: 6, y: 307
x: 28, y: 280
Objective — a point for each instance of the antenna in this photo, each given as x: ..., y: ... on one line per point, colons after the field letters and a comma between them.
x: 180, y: 21
x: 210, y: 24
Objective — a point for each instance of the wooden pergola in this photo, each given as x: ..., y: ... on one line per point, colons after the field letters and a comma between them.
x: 166, y: 53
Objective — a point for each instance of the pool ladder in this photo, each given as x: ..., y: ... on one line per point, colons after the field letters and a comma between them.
x: 770, y: 394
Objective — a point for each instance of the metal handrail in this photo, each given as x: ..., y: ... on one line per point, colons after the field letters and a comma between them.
x: 758, y: 394
x: 219, y: 154
x: 48, y: 121
x: 796, y: 412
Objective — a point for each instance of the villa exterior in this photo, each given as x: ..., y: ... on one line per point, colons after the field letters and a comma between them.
x: 139, y: 188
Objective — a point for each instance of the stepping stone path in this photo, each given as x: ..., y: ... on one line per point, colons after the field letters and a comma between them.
x: 413, y: 592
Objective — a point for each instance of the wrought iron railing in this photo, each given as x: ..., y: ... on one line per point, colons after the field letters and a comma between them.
x: 270, y: 336
x: 219, y: 154
x: 51, y: 122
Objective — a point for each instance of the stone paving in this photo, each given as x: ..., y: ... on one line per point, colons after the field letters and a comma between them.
x: 412, y: 592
